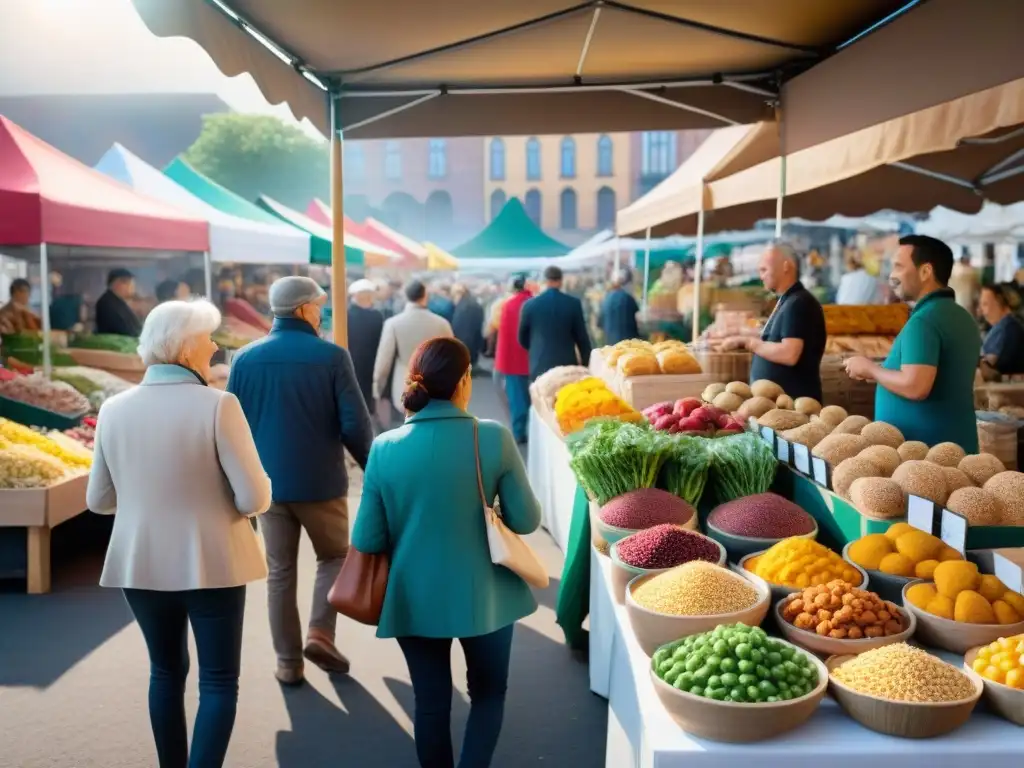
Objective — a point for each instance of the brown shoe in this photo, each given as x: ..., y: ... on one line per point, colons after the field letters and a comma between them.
x: 322, y: 652
x: 289, y: 675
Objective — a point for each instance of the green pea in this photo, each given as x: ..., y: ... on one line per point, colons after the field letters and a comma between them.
x: 762, y: 671
x: 743, y: 651
x: 746, y: 680
x: 721, y: 647
x: 746, y: 666
x: 715, y: 681
x: 697, y: 690
x: 794, y: 680
x: 756, y: 655
x: 767, y: 688
x: 738, y: 694
x: 772, y: 699
x: 730, y: 680
x: 782, y: 685
x: 702, y: 675
x: 680, y: 684
x: 680, y: 653
x: 659, y: 656
x: 787, y: 652
x: 733, y: 641
x: 728, y: 664
x: 779, y: 672
x: 665, y: 666
x: 694, y: 663
x: 791, y: 667
x: 713, y: 661
x: 718, y: 694
x: 808, y: 672
x: 773, y: 658
x: 744, y: 637
x: 753, y: 692
x: 756, y: 639
x: 677, y: 669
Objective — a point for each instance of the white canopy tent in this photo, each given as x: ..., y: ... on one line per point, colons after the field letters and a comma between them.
x: 993, y: 224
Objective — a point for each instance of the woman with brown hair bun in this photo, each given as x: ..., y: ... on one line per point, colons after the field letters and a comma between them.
x: 421, y: 504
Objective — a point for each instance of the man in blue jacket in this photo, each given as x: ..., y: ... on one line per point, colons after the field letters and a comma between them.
x: 303, y: 403
x: 552, y: 328
x: 618, y: 311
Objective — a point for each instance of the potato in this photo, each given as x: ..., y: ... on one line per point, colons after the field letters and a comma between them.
x: 807, y: 405
x: 809, y: 434
x: 785, y: 402
x: 837, y: 447
x: 852, y: 425
x: 740, y: 388
x: 833, y: 415
x: 756, y: 407
x: 711, y: 391
x: 727, y: 401
x: 781, y: 420
x: 765, y: 388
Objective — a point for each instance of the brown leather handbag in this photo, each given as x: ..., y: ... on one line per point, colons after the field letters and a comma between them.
x: 358, y: 592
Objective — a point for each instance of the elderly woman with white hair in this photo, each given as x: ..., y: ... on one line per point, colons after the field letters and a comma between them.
x: 176, y: 465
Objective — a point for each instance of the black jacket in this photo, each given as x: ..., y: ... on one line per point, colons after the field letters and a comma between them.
x: 364, y: 327
x: 113, y: 315
x: 552, y: 329
x: 468, y: 326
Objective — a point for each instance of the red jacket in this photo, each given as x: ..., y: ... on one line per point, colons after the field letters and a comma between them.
x: 511, y: 359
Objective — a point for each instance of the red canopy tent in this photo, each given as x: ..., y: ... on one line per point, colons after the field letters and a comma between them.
x: 320, y: 212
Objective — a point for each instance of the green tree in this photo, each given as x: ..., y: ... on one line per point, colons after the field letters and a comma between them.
x: 255, y: 155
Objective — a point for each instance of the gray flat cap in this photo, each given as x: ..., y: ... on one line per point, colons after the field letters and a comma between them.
x: 290, y: 293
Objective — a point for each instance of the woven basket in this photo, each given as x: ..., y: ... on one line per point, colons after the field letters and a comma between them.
x: 1000, y: 440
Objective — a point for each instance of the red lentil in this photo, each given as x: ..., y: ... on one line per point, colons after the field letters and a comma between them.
x: 666, y: 546
x: 644, y: 508
x: 763, y: 516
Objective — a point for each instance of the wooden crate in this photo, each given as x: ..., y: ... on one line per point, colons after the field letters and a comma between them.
x: 642, y: 391
x: 725, y: 366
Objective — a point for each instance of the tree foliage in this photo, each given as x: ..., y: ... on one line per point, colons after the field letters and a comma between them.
x: 255, y: 155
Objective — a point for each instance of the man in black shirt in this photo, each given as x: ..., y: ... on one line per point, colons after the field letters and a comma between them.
x: 113, y: 315
x: 793, y: 341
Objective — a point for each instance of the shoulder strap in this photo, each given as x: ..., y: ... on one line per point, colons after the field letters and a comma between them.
x: 479, y: 472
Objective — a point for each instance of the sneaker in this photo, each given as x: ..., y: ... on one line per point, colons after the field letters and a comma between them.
x: 322, y: 652
x: 289, y: 675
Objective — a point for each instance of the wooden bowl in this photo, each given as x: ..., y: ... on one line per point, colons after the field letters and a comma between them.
x: 741, y: 546
x: 733, y: 722
x: 654, y: 630
x: 623, y: 573
x: 886, y: 585
x: 779, y: 591
x: 612, y: 534
x: 830, y: 646
x: 955, y: 636
x: 1005, y: 701
x: 906, y: 719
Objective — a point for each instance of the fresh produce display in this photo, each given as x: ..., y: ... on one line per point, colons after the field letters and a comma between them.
x: 82, y: 384
x: 685, y: 471
x: 979, y: 506
x: 1002, y: 661
x: 913, y: 450
x: 761, y: 516
x: 878, y: 498
x: 833, y: 415
x: 901, y: 551
x: 842, y: 612
x: 960, y: 593
x: 84, y: 433
x: 17, y: 434
x: 547, y: 384
x: 868, y: 346
x: 635, y: 357
x: 884, y: 457
x: 587, y: 399
x: 881, y: 433
x: 781, y: 419
x: 55, y: 396
x: 736, y: 663
x: 25, y: 466
x: 691, y: 416
x: 945, y: 454
x: 97, y: 385
x: 106, y: 342
x: 851, y: 425
x: 922, y: 478
x: 799, y: 562
x: 696, y: 588
x: 901, y: 672
x: 981, y: 467
x: 852, y: 319
x: 809, y: 434
x: 611, y: 458
x: 645, y: 507
x: 1008, y: 487
x: 848, y: 471
x: 665, y: 546
x: 838, y: 447
x: 741, y: 465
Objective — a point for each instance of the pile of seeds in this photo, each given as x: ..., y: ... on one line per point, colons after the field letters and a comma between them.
x: 901, y: 672
x: 665, y: 546
x: 644, y: 508
x: 762, y: 516
x: 696, y: 589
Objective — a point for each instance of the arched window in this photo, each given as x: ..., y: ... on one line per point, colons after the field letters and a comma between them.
x: 532, y: 205
x: 567, y: 209
x: 393, y: 160
x: 355, y: 161
x: 568, y: 158
x: 497, y: 159
x: 532, y: 159
x: 438, y: 214
x: 498, y: 200
x: 437, y: 159
x: 604, y: 155
x: 605, y: 208
x: 659, y: 153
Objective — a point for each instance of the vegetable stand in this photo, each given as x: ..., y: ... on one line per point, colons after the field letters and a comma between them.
x: 551, y: 478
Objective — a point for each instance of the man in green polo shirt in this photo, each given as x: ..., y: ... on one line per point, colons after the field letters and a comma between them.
x: 926, y: 385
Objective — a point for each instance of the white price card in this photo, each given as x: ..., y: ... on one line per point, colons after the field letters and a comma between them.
x: 768, y: 435
x: 921, y: 513
x: 802, y: 458
x: 953, y: 530
x: 782, y: 450
x: 1008, y: 572
x: 820, y: 470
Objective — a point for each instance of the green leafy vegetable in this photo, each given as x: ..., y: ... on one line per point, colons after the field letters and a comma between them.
x: 685, y: 472
x: 741, y: 465
x: 107, y: 342
x: 611, y: 457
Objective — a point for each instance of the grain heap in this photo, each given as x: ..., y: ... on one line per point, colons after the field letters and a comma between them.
x: 798, y: 562
x: 644, y: 508
x: 696, y: 589
x: 901, y: 672
x: 666, y: 546
x: 762, y: 516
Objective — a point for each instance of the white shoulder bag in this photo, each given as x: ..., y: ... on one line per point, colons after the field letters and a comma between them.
x: 507, y: 548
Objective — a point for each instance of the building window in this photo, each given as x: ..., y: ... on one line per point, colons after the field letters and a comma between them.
x: 498, y: 200
x: 438, y: 214
x: 604, y: 156
x: 393, y: 160
x: 658, y: 157
x: 355, y: 161
x: 568, y: 158
x: 437, y: 159
x: 497, y: 159
x: 533, y: 159
x: 532, y: 205
x: 567, y: 212
x: 605, y: 208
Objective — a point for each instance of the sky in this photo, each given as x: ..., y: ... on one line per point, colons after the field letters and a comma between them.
x: 102, y: 46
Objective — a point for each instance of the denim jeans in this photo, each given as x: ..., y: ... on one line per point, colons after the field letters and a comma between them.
x: 216, y: 618
x: 430, y: 667
x: 517, y: 388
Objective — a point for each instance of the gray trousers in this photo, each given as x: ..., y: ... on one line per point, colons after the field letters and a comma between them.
x: 326, y: 524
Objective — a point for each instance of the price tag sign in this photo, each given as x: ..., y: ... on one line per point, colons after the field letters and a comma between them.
x: 1008, y: 572
x: 921, y: 513
x: 820, y: 470
x: 802, y: 458
x: 768, y: 435
x: 953, y: 531
x: 782, y: 452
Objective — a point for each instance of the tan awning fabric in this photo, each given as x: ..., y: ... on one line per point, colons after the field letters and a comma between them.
x: 968, y: 140
x: 679, y: 195
x: 389, y: 53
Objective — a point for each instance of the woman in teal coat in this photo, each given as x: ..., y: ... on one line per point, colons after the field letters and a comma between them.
x: 421, y: 504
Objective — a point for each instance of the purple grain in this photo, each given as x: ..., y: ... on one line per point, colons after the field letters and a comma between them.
x: 645, y: 507
x: 665, y: 546
x: 763, y: 516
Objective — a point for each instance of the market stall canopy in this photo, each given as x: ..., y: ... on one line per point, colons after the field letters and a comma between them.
x: 542, y: 66
x: 319, y: 211
x: 416, y: 249
x: 48, y: 197
x: 512, y: 233
x: 880, y: 223
x: 439, y: 259
x: 232, y: 239
x: 375, y: 232
x: 319, y: 235
x: 993, y: 224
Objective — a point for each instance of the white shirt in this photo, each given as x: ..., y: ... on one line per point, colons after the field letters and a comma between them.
x: 858, y: 288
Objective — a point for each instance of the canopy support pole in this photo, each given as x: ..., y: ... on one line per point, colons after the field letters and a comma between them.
x: 339, y: 308
x: 782, y: 173
x: 698, y: 269
x: 647, y: 268
x: 44, y: 298
x: 208, y: 275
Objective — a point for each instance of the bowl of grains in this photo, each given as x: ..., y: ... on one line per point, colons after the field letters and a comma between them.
x: 640, y: 509
x: 900, y: 690
x: 754, y: 523
x: 658, y: 549
x: 691, y: 598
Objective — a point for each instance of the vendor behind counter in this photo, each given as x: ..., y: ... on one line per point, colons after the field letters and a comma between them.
x: 15, y: 316
x: 1002, y: 352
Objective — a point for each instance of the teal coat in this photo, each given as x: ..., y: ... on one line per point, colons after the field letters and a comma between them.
x: 420, y: 503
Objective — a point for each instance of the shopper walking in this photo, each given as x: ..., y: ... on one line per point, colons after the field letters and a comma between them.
x: 422, y: 505
x: 365, y: 324
x: 302, y: 401
x: 174, y: 459
x: 552, y: 328
x: 468, y: 321
x: 618, y: 311
x: 512, y: 361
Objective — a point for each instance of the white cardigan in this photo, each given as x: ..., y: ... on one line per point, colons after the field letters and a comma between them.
x: 176, y: 462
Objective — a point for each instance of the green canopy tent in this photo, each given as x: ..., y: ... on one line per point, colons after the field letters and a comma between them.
x: 319, y: 235
x: 511, y: 234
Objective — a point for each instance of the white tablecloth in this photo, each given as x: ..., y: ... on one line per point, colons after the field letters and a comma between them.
x: 552, y: 479
x: 642, y: 735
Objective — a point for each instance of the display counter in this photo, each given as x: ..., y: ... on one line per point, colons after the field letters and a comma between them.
x: 551, y: 478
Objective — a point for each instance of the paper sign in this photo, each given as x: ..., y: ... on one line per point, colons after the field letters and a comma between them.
x: 802, y: 458
x: 921, y: 513
x: 1008, y: 572
x: 782, y: 452
x: 768, y: 435
x: 820, y: 470
x: 753, y: 426
x: 953, y: 530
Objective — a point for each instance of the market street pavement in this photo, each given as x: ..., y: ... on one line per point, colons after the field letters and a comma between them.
x: 74, y: 674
